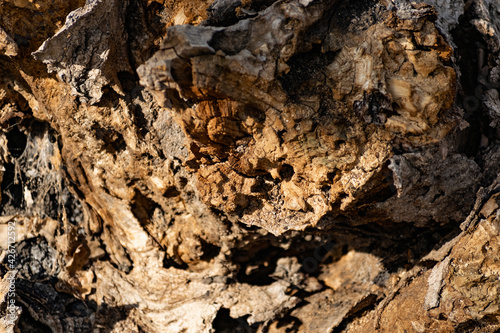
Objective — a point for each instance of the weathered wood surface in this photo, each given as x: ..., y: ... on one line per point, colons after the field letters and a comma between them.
x: 267, y: 166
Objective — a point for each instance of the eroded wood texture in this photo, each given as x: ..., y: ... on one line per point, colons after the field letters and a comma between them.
x: 298, y: 113
x: 253, y: 165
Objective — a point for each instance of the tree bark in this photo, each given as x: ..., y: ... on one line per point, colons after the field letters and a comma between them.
x: 250, y: 166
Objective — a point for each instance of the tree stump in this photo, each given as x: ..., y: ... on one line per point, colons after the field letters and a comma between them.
x: 250, y: 166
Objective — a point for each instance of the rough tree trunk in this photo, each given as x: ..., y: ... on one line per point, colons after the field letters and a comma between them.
x: 250, y: 166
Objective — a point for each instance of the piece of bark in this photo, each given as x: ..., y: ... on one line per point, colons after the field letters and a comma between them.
x: 85, y: 57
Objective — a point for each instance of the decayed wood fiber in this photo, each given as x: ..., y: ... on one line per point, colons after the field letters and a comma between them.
x: 260, y: 166
x: 292, y: 121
